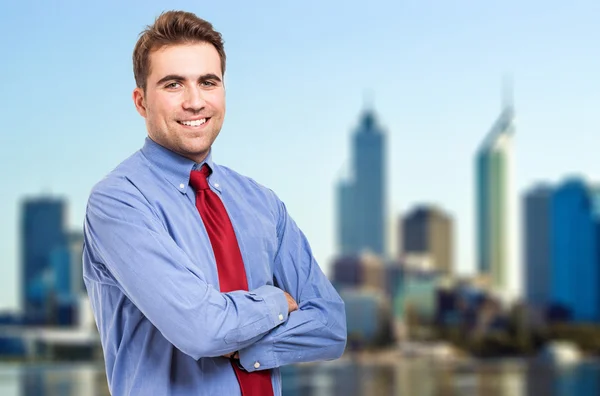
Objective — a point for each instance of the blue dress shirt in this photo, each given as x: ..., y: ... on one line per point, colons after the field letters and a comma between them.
x: 152, y: 280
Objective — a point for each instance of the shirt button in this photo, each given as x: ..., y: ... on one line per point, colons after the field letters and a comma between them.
x: 181, y: 185
x: 216, y: 184
x: 280, y: 317
x: 256, y: 365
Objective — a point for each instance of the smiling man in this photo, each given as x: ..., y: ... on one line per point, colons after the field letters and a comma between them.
x: 200, y: 281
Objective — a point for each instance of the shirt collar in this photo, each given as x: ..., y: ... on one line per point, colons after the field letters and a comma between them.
x: 175, y: 167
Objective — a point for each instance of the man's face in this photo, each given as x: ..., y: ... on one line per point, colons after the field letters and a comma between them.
x: 184, y: 102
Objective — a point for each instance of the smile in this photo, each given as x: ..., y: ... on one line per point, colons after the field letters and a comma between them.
x: 194, y: 123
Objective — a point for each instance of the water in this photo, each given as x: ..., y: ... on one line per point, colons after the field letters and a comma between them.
x: 409, y: 377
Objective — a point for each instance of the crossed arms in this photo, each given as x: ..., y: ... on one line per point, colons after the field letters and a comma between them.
x: 124, y: 236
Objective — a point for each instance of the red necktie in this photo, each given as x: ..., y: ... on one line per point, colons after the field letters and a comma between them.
x: 230, y: 266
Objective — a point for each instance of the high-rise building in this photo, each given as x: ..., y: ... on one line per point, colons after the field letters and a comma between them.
x: 362, y: 199
x: 346, y: 233
x: 496, y: 230
x: 42, y: 232
x: 537, y: 245
x: 575, y: 211
x: 427, y: 232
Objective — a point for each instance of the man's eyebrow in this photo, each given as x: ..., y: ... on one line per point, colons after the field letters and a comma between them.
x: 170, y: 77
x: 209, y: 76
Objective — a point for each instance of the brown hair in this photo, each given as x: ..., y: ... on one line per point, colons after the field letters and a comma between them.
x: 172, y: 27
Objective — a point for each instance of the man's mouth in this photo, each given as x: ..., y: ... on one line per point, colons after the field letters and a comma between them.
x: 194, y: 123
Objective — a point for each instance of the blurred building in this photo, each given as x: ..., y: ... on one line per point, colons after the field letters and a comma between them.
x: 575, y: 257
x: 394, y: 274
x: 65, y: 287
x: 374, y: 273
x: 60, y: 302
x: 496, y: 211
x: 52, y: 284
x: 427, y: 233
x: 417, y: 296
x: 347, y: 272
x: 75, y: 243
x: 359, y: 271
x: 42, y: 231
x: 368, y: 317
x: 449, y: 306
x: 537, y: 245
x: 468, y: 305
x: 361, y: 200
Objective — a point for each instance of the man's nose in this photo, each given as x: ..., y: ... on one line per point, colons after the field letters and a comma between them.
x: 194, y: 99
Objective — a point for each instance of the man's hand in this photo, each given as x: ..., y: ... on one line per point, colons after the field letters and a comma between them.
x: 292, y: 304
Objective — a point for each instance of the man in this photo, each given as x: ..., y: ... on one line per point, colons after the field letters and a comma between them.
x: 200, y: 281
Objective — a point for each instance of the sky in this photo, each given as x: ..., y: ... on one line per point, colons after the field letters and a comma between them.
x: 296, y: 81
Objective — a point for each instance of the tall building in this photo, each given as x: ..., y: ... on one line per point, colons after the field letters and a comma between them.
x: 427, y: 231
x: 361, y: 200
x: 346, y: 231
x: 496, y: 209
x: 575, y: 210
x: 537, y: 245
x: 42, y: 232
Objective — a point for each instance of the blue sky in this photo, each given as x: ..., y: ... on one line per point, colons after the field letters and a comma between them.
x: 296, y: 77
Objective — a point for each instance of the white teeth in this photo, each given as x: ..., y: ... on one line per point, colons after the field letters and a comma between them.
x: 194, y: 123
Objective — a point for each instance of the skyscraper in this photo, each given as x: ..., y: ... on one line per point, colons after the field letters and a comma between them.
x: 427, y: 230
x: 346, y: 231
x: 362, y: 199
x: 575, y: 258
x: 42, y: 232
x: 496, y: 209
x: 537, y: 243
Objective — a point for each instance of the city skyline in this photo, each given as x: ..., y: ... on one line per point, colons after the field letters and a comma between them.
x: 435, y: 88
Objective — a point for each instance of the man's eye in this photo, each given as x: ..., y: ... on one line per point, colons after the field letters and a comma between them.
x: 172, y: 85
x: 207, y: 83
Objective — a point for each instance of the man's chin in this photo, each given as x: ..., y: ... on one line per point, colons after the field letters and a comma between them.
x: 195, y: 152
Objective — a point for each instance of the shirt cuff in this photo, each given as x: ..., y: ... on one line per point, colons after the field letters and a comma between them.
x: 276, y: 302
x: 259, y: 356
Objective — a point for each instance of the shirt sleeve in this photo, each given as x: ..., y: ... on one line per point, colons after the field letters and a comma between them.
x: 317, y: 330
x: 125, y: 237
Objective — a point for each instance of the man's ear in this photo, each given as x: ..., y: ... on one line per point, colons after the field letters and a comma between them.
x: 139, y: 100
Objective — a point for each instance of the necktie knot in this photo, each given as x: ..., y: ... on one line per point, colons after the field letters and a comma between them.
x: 199, y: 178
